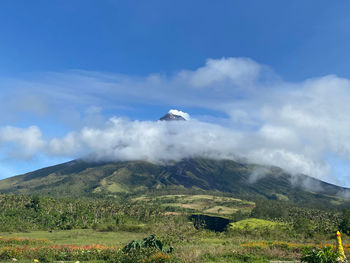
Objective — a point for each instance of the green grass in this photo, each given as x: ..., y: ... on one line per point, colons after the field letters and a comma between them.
x: 81, y: 237
x: 202, y: 247
x: 253, y: 223
x: 31, y: 261
x: 221, y: 210
x: 205, y: 204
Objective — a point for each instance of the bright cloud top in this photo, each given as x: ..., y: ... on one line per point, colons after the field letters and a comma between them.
x: 184, y: 115
x: 269, y: 121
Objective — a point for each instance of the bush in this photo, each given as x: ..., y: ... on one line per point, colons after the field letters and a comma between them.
x: 344, y: 225
x: 149, y: 242
x: 319, y: 255
x: 150, y: 249
x: 304, y: 226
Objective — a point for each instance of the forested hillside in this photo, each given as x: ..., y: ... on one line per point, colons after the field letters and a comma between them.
x: 91, y: 179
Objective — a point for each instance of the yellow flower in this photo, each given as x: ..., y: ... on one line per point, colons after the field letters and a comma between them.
x: 340, y: 248
x: 36, y: 261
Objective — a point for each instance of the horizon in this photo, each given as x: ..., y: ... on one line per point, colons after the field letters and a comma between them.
x: 264, y: 81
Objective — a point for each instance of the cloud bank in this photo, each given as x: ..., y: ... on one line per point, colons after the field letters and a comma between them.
x: 263, y: 118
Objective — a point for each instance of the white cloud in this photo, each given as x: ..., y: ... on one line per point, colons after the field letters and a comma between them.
x: 184, y: 115
x: 241, y: 72
x: 270, y: 121
x: 121, y: 139
x: 158, y: 141
x: 27, y: 142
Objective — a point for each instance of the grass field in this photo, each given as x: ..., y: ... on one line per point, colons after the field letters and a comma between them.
x: 81, y: 237
x: 67, y: 244
x: 254, y: 223
x: 202, y: 247
x: 204, y: 204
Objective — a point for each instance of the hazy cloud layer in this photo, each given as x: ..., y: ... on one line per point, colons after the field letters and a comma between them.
x: 270, y: 121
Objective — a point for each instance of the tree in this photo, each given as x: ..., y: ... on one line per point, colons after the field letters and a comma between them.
x: 34, y: 203
x: 304, y: 226
x: 344, y: 225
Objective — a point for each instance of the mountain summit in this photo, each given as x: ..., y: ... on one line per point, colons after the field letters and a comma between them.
x: 175, y: 115
x: 172, y: 117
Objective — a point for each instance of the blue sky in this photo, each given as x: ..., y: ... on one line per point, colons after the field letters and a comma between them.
x: 272, y: 74
x: 299, y: 39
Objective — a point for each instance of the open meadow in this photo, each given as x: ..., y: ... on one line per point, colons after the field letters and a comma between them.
x: 169, y: 228
x: 202, y: 246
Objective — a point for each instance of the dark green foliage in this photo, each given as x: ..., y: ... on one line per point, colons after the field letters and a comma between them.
x: 148, y: 246
x: 270, y: 210
x: 304, y: 220
x: 344, y: 225
x: 319, y: 255
x: 239, y: 216
x: 34, y: 203
x: 148, y: 242
x: 304, y: 226
x: 213, y: 223
x: 22, y: 213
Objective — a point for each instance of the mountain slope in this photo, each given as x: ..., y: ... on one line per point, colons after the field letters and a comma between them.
x: 82, y: 178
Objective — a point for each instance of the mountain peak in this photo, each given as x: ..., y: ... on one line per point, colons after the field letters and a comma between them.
x: 175, y: 115
x: 172, y: 117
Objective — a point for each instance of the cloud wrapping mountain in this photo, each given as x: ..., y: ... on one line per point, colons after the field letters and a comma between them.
x: 160, y: 141
x: 268, y: 120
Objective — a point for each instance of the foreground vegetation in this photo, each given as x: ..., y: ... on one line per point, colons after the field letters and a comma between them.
x: 101, y: 230
x: 203, y: 246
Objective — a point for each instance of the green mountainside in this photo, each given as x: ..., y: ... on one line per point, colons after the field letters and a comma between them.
x: 81, y: 178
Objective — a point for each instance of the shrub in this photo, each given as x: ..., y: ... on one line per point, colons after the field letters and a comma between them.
x: 149, y: 242
x: 304, y: 226
x: 319, y: 255
x: 150, y: 249
x: 344, y: 225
